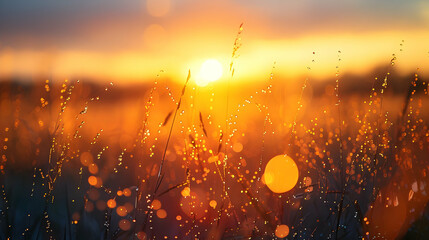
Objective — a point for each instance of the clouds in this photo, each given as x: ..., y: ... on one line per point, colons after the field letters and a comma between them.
x: 68, y: 24
x: 134, y: 38
x: 306, y: 17
x: 99, y: 24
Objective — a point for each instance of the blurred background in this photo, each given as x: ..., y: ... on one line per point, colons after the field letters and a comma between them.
x: 131, y: 41
x: 118, y: 119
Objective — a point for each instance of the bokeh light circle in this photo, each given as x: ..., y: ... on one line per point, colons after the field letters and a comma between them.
x: 124, y: 225
x: 161, y: 213
x: 282, y: 231
x: 156, y: 204
x: 194, y: 205
x: 281, y: 174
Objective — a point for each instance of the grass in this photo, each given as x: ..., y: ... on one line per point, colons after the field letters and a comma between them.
x: 81, y: 161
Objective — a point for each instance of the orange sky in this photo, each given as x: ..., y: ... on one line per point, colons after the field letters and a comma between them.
x: 134, y: 40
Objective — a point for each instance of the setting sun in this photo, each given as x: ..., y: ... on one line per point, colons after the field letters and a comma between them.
x: 210, y: 71
x: 163, y: 119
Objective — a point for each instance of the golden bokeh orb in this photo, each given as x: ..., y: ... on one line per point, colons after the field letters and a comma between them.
x: 124, y: 225
x: 281, y: 174
x: 121, y: 211
x: 186, y: 192
x: 127, y: 192
x: 156, y: 204
x: 111, y: 203
x: 86, y: 158
x: 282, y: 231
x: 161, y: 213
x: 92, y: 180
x: 213, y: 203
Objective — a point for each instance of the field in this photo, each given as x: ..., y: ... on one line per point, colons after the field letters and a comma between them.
x: 179, y: 161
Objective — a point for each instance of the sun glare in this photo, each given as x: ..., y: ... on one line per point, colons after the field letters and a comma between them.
x: 210, y: 71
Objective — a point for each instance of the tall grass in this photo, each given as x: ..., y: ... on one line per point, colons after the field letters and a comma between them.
x: 87, y: 162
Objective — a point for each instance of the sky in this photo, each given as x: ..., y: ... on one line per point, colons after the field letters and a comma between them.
x: 132, y: 40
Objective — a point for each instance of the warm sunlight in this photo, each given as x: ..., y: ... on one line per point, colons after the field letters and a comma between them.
x: 210, y: 71
x: 222, y: 119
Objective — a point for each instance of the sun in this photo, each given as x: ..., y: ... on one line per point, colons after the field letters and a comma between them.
x: 210, y: 71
